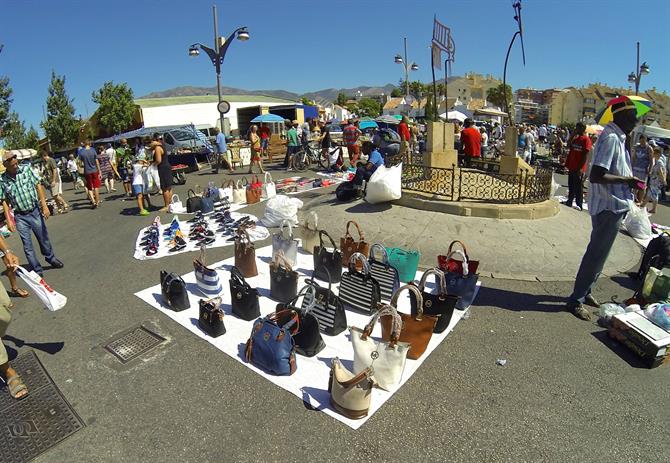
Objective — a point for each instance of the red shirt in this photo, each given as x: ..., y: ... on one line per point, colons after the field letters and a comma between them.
x: 472, y: 142
x: 579, y: 148
x: 403, y: 131
x: 264, y: 132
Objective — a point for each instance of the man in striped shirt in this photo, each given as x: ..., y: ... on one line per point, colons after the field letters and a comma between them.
x: 610, y: 197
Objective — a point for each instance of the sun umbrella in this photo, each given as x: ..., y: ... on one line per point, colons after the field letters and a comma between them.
x: 386, y: 119
x: 367, y: 124
x: 642, y: 106
x: 268, y: 118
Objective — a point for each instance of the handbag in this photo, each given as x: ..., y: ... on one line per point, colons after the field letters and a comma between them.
x: 405, y: 262
x: 245, y: 254
x: 309, y: 232
x: 206, y: 205
x: 386, y: 358
x: 327, y: 260
x: 327, y: 308
x: 308, y: 340
x: 416, y: 329
x: 176, y: 206
x: 239, y: 193
x: 452, y: 265
x: 254, y: 191
x: 285, y: 243
x: 207, y: 279
x: 359, y: 290
x: 52, y: 300
x: 173, y: 290
x: 350, y: 394
x: 283, y: 279
x: 244, y: 298
x: 440, y: 305
x: 226, y: 191
x: 349, y: 245
x: 269, y: 188
x: 271, y: 346
x: 385, y: 274
x: 212, y: 192
x: 193, y: 202
x: 463, y: 284
x: 211, y: 317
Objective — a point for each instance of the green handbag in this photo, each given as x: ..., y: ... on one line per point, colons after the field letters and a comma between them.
x: 405, y: 262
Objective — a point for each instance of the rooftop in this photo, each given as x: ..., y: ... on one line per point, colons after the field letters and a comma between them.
x: 177, y: 100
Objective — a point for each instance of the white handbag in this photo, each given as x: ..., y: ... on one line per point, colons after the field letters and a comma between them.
x: 386, y: 358
x: 226, y: 191
x: 309, y: 233
x: 269, y: 189
x: 284, y: 242
x: 52, y: 300
x: 176, y: 206
x: 239, y: 193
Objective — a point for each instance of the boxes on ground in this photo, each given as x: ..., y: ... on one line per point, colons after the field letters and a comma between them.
x: 647, y: 340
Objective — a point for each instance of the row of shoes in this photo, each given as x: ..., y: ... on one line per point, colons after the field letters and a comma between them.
x: 151, y: 238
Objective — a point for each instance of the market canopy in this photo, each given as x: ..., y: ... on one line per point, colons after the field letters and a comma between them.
x: 454, y: 116
x: 149, y: 131
x: 386, y: 119
x: 367, y: 123
x: 489, y: 112
x: 268, y: 118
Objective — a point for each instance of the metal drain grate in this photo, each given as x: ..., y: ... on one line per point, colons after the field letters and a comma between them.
x: 32, y: 425
x: 134, y: 343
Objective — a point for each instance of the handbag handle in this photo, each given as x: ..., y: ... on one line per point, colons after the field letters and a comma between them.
x: 237, y: 185
x: 357, y: 256
x: 303, y: 293
x: 419, y: 299
x: 198, y: 190
x: 175, y: 198
x: 323, y: 232
x: 191, y: 193
x: 293, y: 324
x: 361, y: 236
x: 243, y: 235
x: 246, y: 182
x: 464, y: 259
x: 465, y: 251
x: 396, y: 325
x: 202, y: 255
x: 237, y: 276
x: 290, y: 229
x: 265, y: 178
x: 215, y: 301
x: 314, y: 283
x: 439, y: 279
x: 279, y: 259
x: 354, y: 381
x: 227, y: 184
x: 375, y: 246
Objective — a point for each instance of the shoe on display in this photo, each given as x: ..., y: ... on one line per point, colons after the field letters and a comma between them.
x: 177, y: 247
x: 152, y: 250
x: 205, y: 241
x: 197, y: 218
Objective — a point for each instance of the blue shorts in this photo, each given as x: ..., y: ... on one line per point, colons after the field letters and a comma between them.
x: 264, y: 143
x: 139, y: 190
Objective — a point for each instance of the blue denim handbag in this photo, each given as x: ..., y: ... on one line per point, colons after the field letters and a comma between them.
x: 271, y: 346
x: 463, y: 284
x: 207, y: 205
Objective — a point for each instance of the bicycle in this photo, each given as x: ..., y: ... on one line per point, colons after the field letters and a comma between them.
x: 310, y: 154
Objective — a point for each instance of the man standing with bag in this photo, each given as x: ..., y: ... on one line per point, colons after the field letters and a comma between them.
x: 21, y: 190
x: 221, y: 149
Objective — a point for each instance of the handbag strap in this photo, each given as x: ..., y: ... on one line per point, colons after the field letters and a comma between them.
x: 375, y: 247
x: 265, y: 178
x: 227, y: 184
x: 238, y: 278
x: 417, y: 294
x: 355, y: 380
x: 464, y: 258
x: 215, y: 302
x: 357, y: 256
x: 293, y: 323
x: 279, y: 260
x: 361, y: 236
x: 237, y: 185
x: 243, y: 236
x: 198, y: 190
x: 465, y: 251
x: 323, y: 232
x: 396, y: 325
x: 439, y: 280
x: 246, y: 182
x: 283, y: 224
x: 191, y: 193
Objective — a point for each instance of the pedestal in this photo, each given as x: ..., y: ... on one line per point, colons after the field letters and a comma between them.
x: 511, y: 141
x: 515, y: 165
x: 440, y: 150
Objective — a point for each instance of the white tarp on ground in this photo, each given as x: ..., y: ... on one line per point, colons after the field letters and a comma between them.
x: 310, y: 381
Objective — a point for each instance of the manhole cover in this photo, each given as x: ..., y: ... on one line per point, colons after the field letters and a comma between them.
x: 134, y: 343
x: 32, y: 425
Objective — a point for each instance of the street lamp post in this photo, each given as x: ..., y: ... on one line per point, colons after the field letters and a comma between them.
x: 640, y: 70
x: 218, y: 53
x: 406, y: 65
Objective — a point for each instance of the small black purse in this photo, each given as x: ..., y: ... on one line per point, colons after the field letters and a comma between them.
x: 173, y: 290
x: 326, y: 307
x: 244, y: 298
x: 283, y: 279
x: 440, y: 305
x: 211, y: 317
x: 327, y: 260
x: 308, y: 340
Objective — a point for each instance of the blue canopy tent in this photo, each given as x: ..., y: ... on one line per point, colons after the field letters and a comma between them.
x: 267, y: 118
x: 367, y: 124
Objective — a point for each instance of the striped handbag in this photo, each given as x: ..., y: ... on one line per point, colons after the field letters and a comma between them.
x: 327, y: 307
x: 207, y: 279
x: 359, y: 290
x: 385, y: 274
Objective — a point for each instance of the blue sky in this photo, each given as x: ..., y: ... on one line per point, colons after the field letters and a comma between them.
x: 302, y: 46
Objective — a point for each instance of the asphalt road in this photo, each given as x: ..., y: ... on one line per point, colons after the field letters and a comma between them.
x: 567, y: 393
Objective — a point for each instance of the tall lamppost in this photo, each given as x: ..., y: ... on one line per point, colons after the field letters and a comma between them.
x: 519, y: 33
x: 643, y: 69
x: 406, y: 65
x: 217, y: 54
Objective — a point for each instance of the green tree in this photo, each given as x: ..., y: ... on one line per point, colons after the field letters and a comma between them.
x: 32, y: 139
x: 61, y: 127
x: 116, y: 107
x: 369, y: 107
x: 5, y: 102
x: 14, y: 132
x: 430, y: 108
x: 341, y: 99
x: 396, y: 93
x: 497, y: 97
x: 306, y: 101
x: 417, y: 89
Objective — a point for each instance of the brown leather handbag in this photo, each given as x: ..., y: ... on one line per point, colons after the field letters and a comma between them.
x: 416, y: 329
x: 350, y: 246
x: 245, y: 254
x: 254, y: 190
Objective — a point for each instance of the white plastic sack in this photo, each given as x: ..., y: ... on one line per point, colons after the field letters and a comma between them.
x: 385, y: 185
x: 637, y: 223
x: 554, y: 185
x: 51, y: 299
x: 281, y: 208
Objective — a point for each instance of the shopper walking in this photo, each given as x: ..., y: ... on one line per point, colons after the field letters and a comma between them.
x: 405, y: 137
x: 657, y: 180
x: 73, y: 170
x: 89, y: 158
x: 580, y: 145
x: 22, y: 191
x: 221, y: 150
x: 293, y: 144
x: 255, y: 150
x: 51, y: 175
x: 610, y: 198
x: 124, y: 156
x: 106, y: 169
x: 164, y: 170
x: 264, y: 133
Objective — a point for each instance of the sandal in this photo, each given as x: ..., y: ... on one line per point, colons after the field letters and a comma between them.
x: 16, y: 385
x: 18, y: 292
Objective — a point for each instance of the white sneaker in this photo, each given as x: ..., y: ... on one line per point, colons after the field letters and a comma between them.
x: 577, y: 208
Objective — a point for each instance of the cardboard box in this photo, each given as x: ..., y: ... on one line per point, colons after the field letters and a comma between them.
x: 646, y: 339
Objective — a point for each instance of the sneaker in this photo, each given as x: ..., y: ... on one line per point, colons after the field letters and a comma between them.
x: 577, y: 208
x: 144, y: 212
x: 177, y: 247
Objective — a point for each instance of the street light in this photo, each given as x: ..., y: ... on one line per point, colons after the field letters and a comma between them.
x: 406, y: 65
x: 218, y: 53
x: 640, y: 70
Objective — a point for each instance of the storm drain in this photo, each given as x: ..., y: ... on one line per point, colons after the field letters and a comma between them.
x: 32, y: 425
x: 134, y: 343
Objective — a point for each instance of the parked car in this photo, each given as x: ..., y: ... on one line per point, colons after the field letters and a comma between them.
x: 179, y: 140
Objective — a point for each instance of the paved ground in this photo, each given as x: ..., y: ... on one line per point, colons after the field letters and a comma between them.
x: 566, y: 394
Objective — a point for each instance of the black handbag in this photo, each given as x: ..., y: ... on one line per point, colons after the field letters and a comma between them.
x: 327, y: 308
x: 440, y: 305
x: 308, y: 340
x: 173, y: 290
x: 244, y: 298
x: 359, y: 291
x: 283, y: 279
x: 193, y: 203
x: 327, y: 260
x: 211, y: 317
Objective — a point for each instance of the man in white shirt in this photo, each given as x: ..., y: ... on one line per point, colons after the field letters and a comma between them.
x: 542, y: 133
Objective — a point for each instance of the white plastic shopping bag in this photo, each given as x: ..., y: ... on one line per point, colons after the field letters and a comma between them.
x: 52, y: 300
x: 637, y: 223
x: 281, y: 208
x: 385, y: 185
